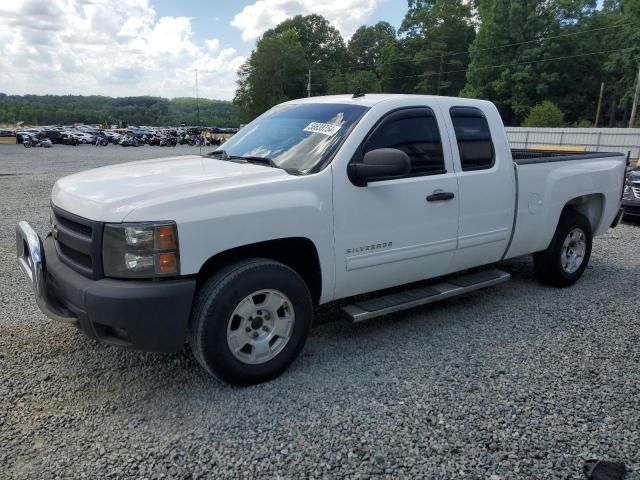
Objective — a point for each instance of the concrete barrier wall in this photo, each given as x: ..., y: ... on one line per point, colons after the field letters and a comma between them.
x: 594, y: 139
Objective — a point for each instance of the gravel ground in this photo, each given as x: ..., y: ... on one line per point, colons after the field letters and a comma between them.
x: 516, y: 381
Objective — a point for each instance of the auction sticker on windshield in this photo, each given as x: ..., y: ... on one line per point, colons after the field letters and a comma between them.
x: 323, y: 128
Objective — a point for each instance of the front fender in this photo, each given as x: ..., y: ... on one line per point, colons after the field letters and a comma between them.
x: 218, y: 221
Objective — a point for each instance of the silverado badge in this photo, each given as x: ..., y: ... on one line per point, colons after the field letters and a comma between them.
x: 369, y: 248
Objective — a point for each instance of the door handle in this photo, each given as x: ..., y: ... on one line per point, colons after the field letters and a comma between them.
x: 440, y: 197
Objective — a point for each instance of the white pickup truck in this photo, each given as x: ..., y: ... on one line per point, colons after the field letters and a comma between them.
x: 317, y: 200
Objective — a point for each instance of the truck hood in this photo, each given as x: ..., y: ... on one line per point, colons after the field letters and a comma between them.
x: 111, y: 193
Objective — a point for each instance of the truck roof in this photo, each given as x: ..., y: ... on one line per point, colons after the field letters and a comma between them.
x: 369, y: 100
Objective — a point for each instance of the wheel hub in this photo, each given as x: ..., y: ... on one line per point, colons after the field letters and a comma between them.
x: 256, y: 323
x: 573, y: 251
x: 260, y: 326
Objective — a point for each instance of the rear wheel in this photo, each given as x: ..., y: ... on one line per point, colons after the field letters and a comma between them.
x: 564, y: 262
x: 250, y: 321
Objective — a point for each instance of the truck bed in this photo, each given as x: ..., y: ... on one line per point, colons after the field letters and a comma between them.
x: 523, y: 156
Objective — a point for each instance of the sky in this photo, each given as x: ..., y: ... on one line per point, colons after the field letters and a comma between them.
x: 151, y: 47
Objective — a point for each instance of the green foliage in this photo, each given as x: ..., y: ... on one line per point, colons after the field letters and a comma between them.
x: 68, y: 109
x: 583, y: 124
x: 365, y: 46
x: 533, y: 50
x: 438, y: 33
x: 516, y: 54
x: 545, y: 114
x: 274, y: 73
x: 348, y: 82
x: 277, y: 69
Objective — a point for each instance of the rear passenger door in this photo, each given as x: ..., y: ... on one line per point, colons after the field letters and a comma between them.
x: 400, y: 230
x: 487, y: 191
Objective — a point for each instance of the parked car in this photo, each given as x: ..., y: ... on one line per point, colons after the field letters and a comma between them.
x: 35, y: 141
x: 53, y: 135
x: 631, y: 198
x: 321, y: 199
x: 84, y: 137
x: 129, y: 141
x: 69, y: 139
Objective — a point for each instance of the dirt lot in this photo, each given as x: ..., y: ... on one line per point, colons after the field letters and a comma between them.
x: 518, y: 381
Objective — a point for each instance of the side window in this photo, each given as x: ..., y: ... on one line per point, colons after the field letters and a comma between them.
x: 474, y: 138
x: 415, y: 133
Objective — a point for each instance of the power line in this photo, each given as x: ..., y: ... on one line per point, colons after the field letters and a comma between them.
x: 351, y: 66
x: 489, y: 67
x: 505, y: 65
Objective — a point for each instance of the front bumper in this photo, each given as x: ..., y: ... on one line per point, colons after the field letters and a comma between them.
x: 145, y: 315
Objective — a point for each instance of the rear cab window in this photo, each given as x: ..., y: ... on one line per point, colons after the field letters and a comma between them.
x: 475, y: 144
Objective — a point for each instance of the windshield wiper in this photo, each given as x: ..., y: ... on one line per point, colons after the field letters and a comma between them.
x: 256, y: 160
x: 223, y: 154
x: 266, y: 161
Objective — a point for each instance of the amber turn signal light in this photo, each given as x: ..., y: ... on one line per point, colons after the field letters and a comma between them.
x: 166, y: 238
x: 167, y: 263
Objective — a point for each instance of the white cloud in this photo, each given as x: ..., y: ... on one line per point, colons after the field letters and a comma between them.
x: 213, y: 44
x: 109, y: 47
x: 260, y: 16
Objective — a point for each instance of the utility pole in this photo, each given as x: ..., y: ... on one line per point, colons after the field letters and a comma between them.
x: 198, y: 109
x: 309, y: 84
x: 197, y: 98
x: 634, y: 109
x: 599, y: 105
x: 440, y: 73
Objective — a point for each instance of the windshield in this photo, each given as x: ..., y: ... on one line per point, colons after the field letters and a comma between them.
x: 295, y: 137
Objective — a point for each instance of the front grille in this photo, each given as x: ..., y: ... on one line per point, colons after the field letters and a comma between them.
x: 78, y: 242
x: 74, y: 226
x: 75, y: 256
x: 636, y: 191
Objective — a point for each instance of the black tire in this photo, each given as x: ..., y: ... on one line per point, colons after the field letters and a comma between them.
x: 549, y: 263
x: 214, y: 307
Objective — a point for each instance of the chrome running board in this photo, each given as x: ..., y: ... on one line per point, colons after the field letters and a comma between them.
x: 395, y: 302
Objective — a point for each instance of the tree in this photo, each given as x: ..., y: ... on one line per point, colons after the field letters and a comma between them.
x: 348, y: 82
x: 324, y: 48
x: 527, y: 51
x: 365, y: 46
x: 277, y: 69
x: 67, y: 109
x: 620, y: 68
x: 364, y: 52
x: 545, y: 114
x: 438, y: 34
x: 275, y: 72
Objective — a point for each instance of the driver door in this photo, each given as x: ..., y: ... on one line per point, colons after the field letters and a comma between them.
x: 393, y: 232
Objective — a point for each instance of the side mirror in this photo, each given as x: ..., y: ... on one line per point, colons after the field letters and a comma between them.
x: 380, y: 164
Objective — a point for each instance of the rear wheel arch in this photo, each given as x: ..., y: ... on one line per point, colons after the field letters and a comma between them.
x: 590, y: 206
x: 298, y: 253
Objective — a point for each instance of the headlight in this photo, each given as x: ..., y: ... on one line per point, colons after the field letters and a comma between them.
x: 141, y: 250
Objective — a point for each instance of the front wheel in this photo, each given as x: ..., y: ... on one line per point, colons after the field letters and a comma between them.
x: 250, y: 321
x: 564, y: 262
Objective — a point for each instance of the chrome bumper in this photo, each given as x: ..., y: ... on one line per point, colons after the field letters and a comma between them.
x: 31, y: 260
